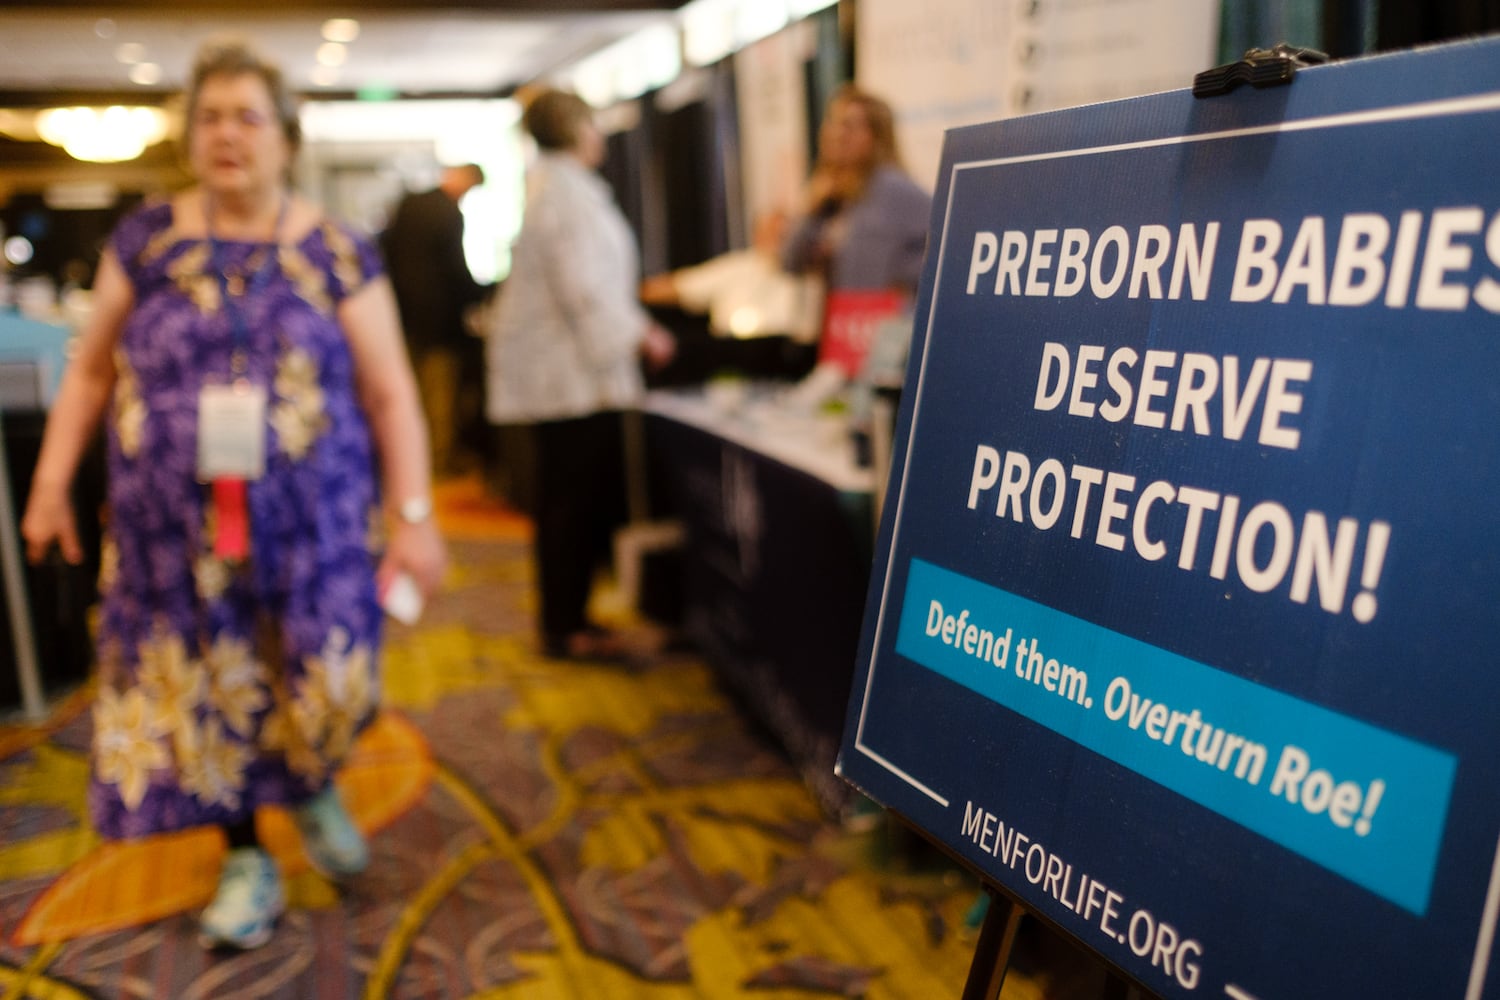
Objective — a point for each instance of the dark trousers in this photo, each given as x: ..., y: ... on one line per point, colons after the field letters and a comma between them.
x: 580, y: 501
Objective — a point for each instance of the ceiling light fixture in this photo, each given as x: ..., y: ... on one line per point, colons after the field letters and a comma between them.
x: 341, y: 29
x: 102, y: 135
x: 332, y: 54
x: 146, y: 74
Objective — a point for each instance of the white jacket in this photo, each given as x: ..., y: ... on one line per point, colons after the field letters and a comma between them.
x: 566, y: 331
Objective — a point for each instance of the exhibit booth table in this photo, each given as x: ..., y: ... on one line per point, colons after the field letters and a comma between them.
x: 777, y: 523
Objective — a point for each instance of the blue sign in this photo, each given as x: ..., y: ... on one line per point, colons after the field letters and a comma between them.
x: 1185, y: 625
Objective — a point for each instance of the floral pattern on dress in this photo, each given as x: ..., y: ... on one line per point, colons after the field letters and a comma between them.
x: 213, y: 575
x: 109, y: 564
x: 343, y: 677
x: 345, y: 257
x: 173, y: 685
x: 191, y: 275
x: 305, y: 279
x: 156, y: 247
x: 298, y: 415
x: 127, y: 749
x: 215, y: 773
x: 238, y: 684
x: 159, y: 725
x: 321, y: 717
x: 212, y: 572
x: 130, y: 411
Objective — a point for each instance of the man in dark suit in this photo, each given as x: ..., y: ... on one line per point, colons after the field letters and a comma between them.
x: 424, y: 251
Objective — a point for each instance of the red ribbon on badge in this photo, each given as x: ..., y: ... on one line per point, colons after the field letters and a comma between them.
x: 232, y: 539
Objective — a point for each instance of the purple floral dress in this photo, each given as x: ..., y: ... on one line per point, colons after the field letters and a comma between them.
x: 225, y: 685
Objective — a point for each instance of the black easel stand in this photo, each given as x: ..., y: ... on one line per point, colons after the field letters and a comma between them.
x: 997, y: 936
x: 1259, y: 68
x: 997, y: 939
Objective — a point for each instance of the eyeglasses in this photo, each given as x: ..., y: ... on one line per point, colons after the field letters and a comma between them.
x: 245, y: 117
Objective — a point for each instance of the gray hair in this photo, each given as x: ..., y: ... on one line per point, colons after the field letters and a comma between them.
x: 555, y: 118
x: 234, y: 57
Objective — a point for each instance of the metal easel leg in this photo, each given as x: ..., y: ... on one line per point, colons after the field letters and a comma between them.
x: 1117, y: 987
x: 997, y: 938
x: 23, y: 638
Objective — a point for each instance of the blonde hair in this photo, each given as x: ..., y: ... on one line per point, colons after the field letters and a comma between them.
x: 881, y: 120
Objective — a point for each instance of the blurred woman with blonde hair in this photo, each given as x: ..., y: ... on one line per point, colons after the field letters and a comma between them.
x: 864, y: 220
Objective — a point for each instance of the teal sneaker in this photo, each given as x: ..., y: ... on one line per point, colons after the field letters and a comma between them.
x: 333, y: 844
x: 247, y: 903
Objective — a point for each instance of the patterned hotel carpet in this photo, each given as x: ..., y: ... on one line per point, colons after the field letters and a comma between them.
x: 540, y: 830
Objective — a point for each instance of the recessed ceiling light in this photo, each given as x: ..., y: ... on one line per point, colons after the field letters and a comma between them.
x: 104, y: 27
x: 18, y: 250
x: 324, y: 76
x: 341, y: 29
x: 130, y: 53
x: 332, y: 54
x: 146, y: 74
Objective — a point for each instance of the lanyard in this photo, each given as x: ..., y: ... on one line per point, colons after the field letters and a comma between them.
x: 238, y: 324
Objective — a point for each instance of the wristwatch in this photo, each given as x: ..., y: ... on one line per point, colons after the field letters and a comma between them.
x: 414, y: 510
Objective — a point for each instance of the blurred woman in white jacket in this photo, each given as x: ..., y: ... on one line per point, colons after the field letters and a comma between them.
x: 564, y: 358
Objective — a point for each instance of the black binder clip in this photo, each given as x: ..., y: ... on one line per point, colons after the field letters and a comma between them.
x: 1260, y: 68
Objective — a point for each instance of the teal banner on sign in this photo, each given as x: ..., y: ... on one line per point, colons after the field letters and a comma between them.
x: 1359, y: 801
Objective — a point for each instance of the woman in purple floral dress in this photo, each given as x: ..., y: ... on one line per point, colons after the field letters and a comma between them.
x: 268, y: 475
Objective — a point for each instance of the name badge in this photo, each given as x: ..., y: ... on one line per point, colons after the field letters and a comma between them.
x: 231, y: 432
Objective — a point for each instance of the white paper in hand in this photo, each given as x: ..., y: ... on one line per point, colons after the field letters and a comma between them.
x: 402, y: 600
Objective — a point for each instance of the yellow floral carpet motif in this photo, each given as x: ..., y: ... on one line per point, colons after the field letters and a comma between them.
x: 539, y: 829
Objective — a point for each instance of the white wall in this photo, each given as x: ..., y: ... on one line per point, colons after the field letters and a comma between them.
x: 772, y: 97
x: 946, y: 63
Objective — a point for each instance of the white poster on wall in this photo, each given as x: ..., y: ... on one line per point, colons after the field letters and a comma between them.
x: 939, y: 64
x: 962, y: 62
x: 772, y: 95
